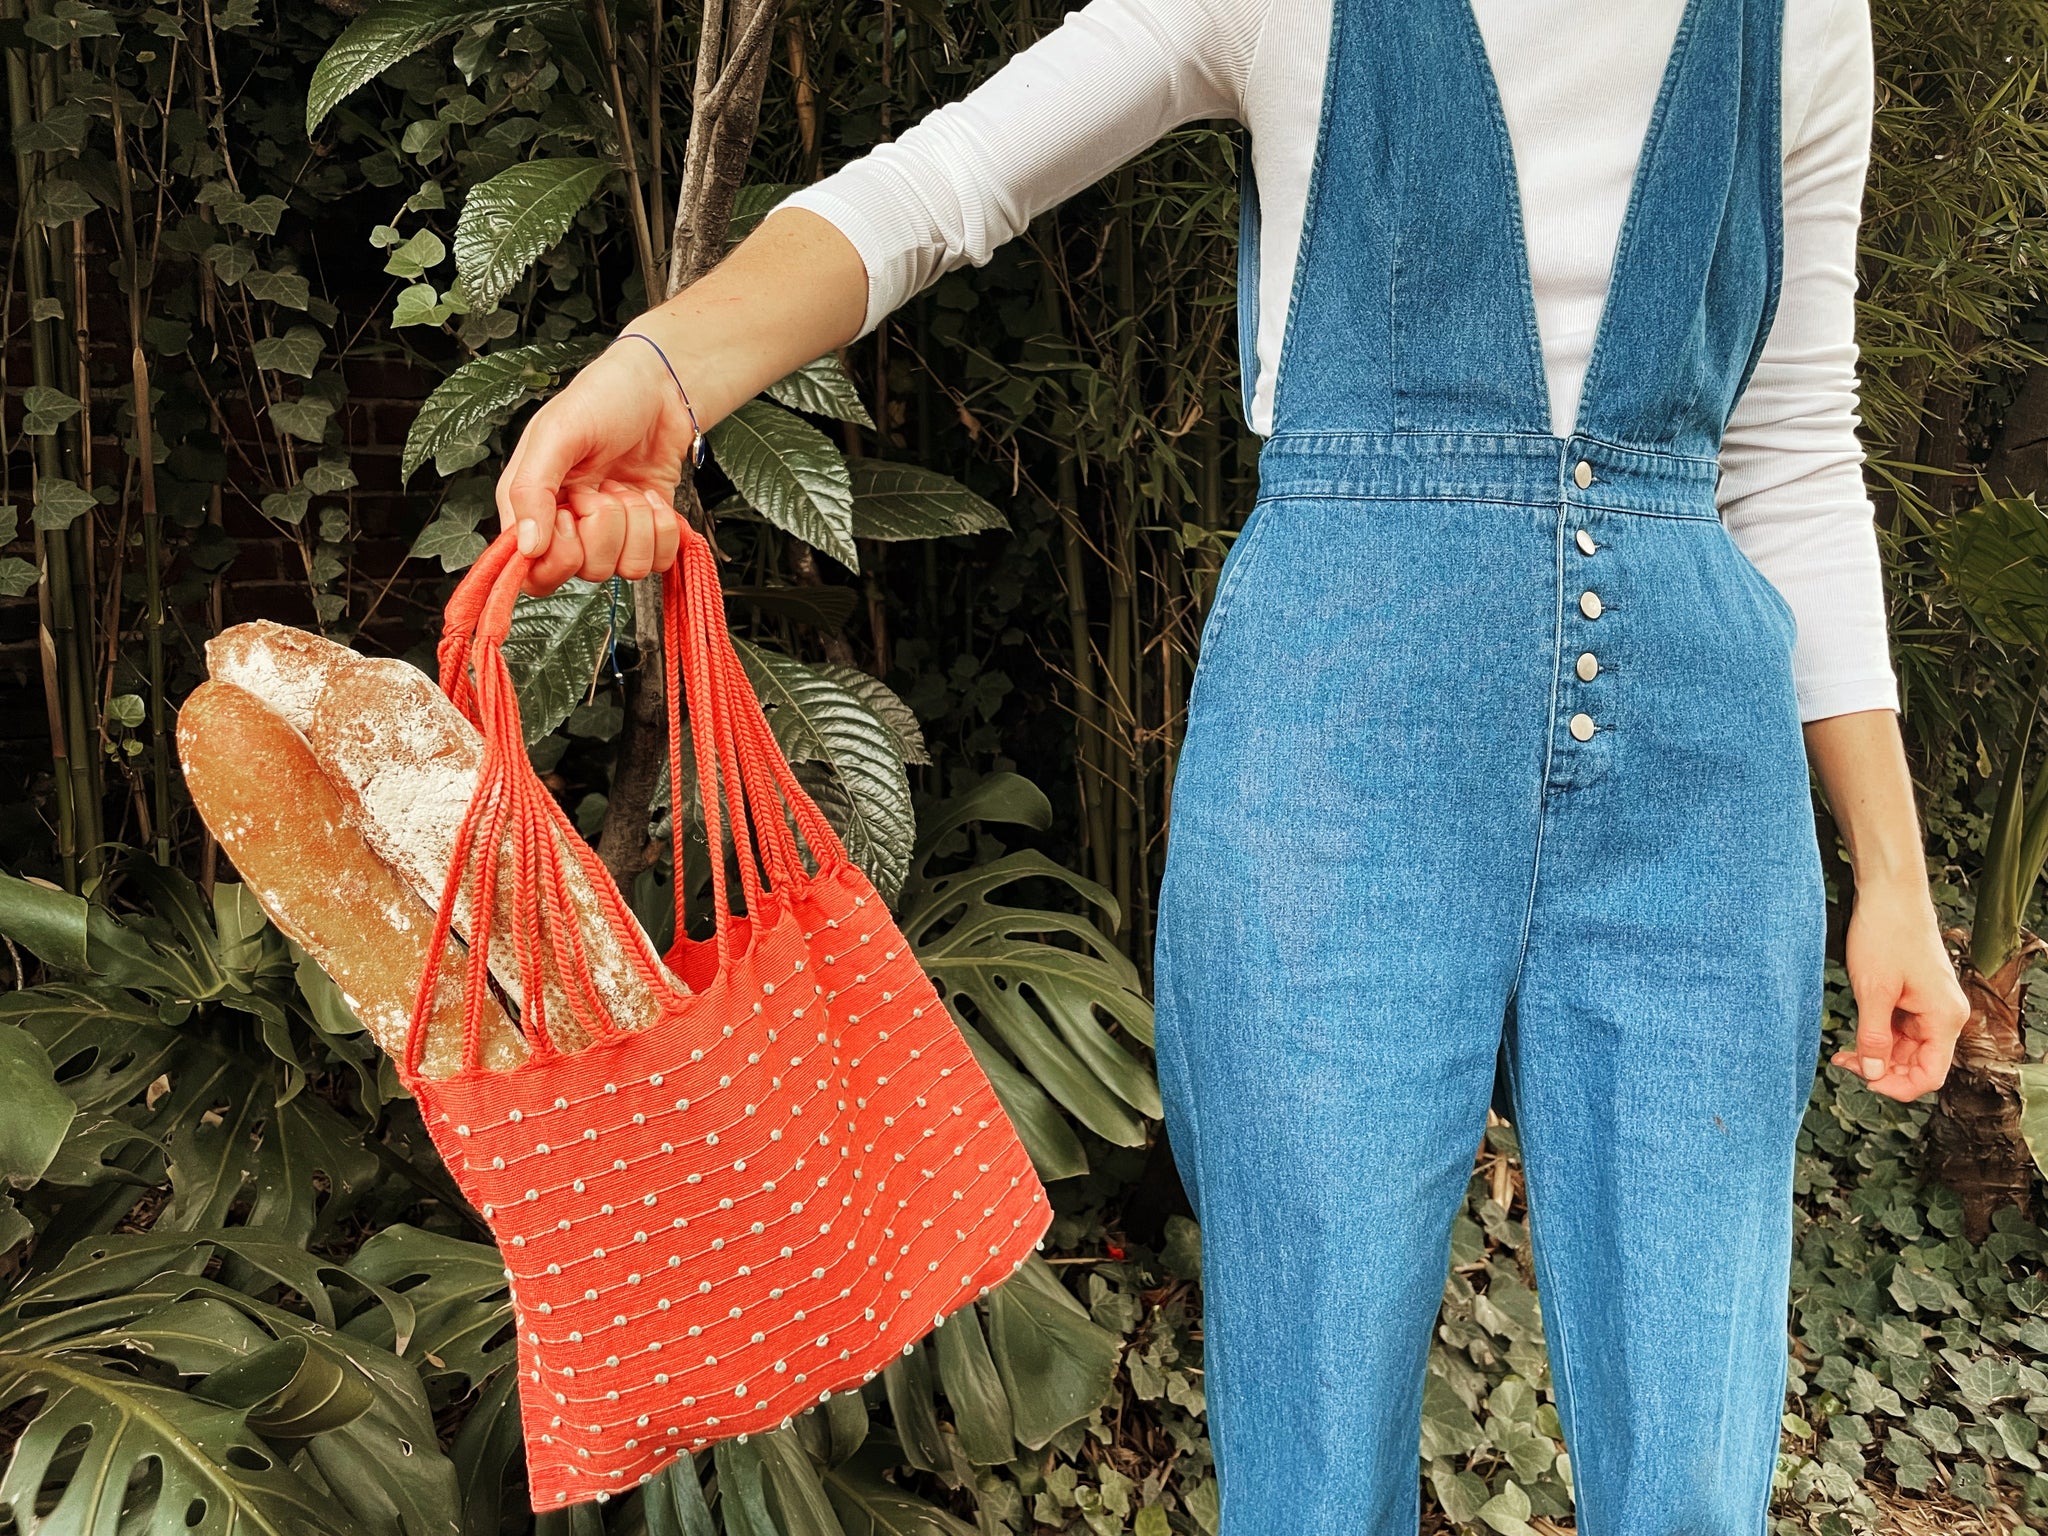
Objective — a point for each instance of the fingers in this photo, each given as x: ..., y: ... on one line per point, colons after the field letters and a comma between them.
x: 601, y: 526
x: 668, y: 531
x: 561, y: 558
x: 636, y: 553
x: 1877, y: 999
x: 530, y: 489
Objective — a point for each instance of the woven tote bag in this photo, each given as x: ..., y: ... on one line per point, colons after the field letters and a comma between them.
x: 714, y: 1219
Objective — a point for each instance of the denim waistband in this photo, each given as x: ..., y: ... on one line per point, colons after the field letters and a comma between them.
x: 1518, y: 468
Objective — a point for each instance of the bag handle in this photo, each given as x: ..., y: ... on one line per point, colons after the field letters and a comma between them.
x: 743, y: 781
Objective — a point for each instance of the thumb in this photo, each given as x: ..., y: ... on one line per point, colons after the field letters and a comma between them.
x: 530, y: 489
x: 1877, y: 1000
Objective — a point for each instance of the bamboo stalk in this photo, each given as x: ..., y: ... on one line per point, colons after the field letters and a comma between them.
x: 152, y: 530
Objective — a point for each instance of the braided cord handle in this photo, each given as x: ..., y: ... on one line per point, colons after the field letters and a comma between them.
x: 743, y: 780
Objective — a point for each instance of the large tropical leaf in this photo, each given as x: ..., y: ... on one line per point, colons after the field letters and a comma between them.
x: 214, y: 1475
x: 228, y: 1136
x: 887, y: 705
x: 795, y: 1490
x: 461, y: 1307
x: 358, y: 1412
x: 553, y: 649
x: 871, y: 1504
x: 908, y: 501
x: 974, y: 1388
x: 1048, y: 1003
x: 790, y: 474
x: 38, y: 1113
x: 480, y: 394
x: 817, y: 719
x: 824, y: 388
x: 1057, y: 1365
x: 514, y: 217
x: 389, y: 33
x: 1995, y: 556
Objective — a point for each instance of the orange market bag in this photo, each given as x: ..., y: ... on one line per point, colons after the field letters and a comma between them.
x: 717, y: 1219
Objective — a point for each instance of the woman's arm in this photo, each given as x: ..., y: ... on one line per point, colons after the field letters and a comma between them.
x: 1793, y: 498
x: 590, y: 484
x: 1909, y: 1007
x: 1792, y: 492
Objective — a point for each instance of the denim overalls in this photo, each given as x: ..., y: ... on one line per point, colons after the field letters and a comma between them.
x: 1493, y: 751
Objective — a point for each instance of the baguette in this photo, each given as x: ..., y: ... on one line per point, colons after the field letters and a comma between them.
x: 284, y: 667
x: 407, y: 761
x: 286, y: 827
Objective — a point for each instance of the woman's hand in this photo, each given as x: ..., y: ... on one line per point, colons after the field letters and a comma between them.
x: 591, y: 486
x: 1909, y: 1006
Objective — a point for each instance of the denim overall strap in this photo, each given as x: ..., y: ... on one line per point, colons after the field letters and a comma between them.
x: 1412, y: 309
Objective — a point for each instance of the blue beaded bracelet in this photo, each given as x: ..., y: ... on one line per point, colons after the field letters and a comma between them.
x: 697, y: 439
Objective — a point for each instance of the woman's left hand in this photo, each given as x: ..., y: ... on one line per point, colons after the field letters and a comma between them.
x: 1909, y: 1006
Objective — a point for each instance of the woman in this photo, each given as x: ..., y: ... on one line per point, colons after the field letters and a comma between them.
x: 1561, y: 573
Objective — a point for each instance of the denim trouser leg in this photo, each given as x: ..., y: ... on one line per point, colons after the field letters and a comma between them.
x: 1384, y: 832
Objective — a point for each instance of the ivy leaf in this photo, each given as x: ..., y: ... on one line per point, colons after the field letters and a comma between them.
x: 449, y: 540
x: 286, y: 288
x: 10, y: 522
x: 46, y: 409
x: 388, y: 33
x: 232, y: 262
x: 790, y: 474
x: 480, y: 394
x: 59, y: 504
x: 819, y: 720
x: 419, y: 305
x: 513, y: 218
x: 330, y: 477
x: 419, y: 255
x: 59, y: 200
x: 908, y: 501
x: 17, y: 577
x: 288, y: 506
x: 824, y: 388
x: 297, y: 351
x: 305, y: 418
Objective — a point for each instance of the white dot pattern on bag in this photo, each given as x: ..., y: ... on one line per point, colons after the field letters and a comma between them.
x: 802, y: 1317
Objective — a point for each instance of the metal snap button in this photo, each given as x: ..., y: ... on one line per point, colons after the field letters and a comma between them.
x: 1582, y: 474
x: 1585, y: 542
x: 1589, y: 604
x: 1582, y: 727
x: 1588, y: 667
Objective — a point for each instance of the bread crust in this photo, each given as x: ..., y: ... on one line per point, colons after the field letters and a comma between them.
x: 284, y: 667
x: 406, y: 762
x: 289, y: 832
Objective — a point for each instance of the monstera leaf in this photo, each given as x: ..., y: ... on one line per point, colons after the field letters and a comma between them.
x: 216, y: 1476
x: 1050, y: 1005
x: 265, y: 1384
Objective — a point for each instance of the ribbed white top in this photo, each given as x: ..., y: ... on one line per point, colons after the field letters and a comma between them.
x: 1578, y: 80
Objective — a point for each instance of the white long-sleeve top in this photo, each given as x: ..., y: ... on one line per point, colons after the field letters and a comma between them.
x: 1578, y: 80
